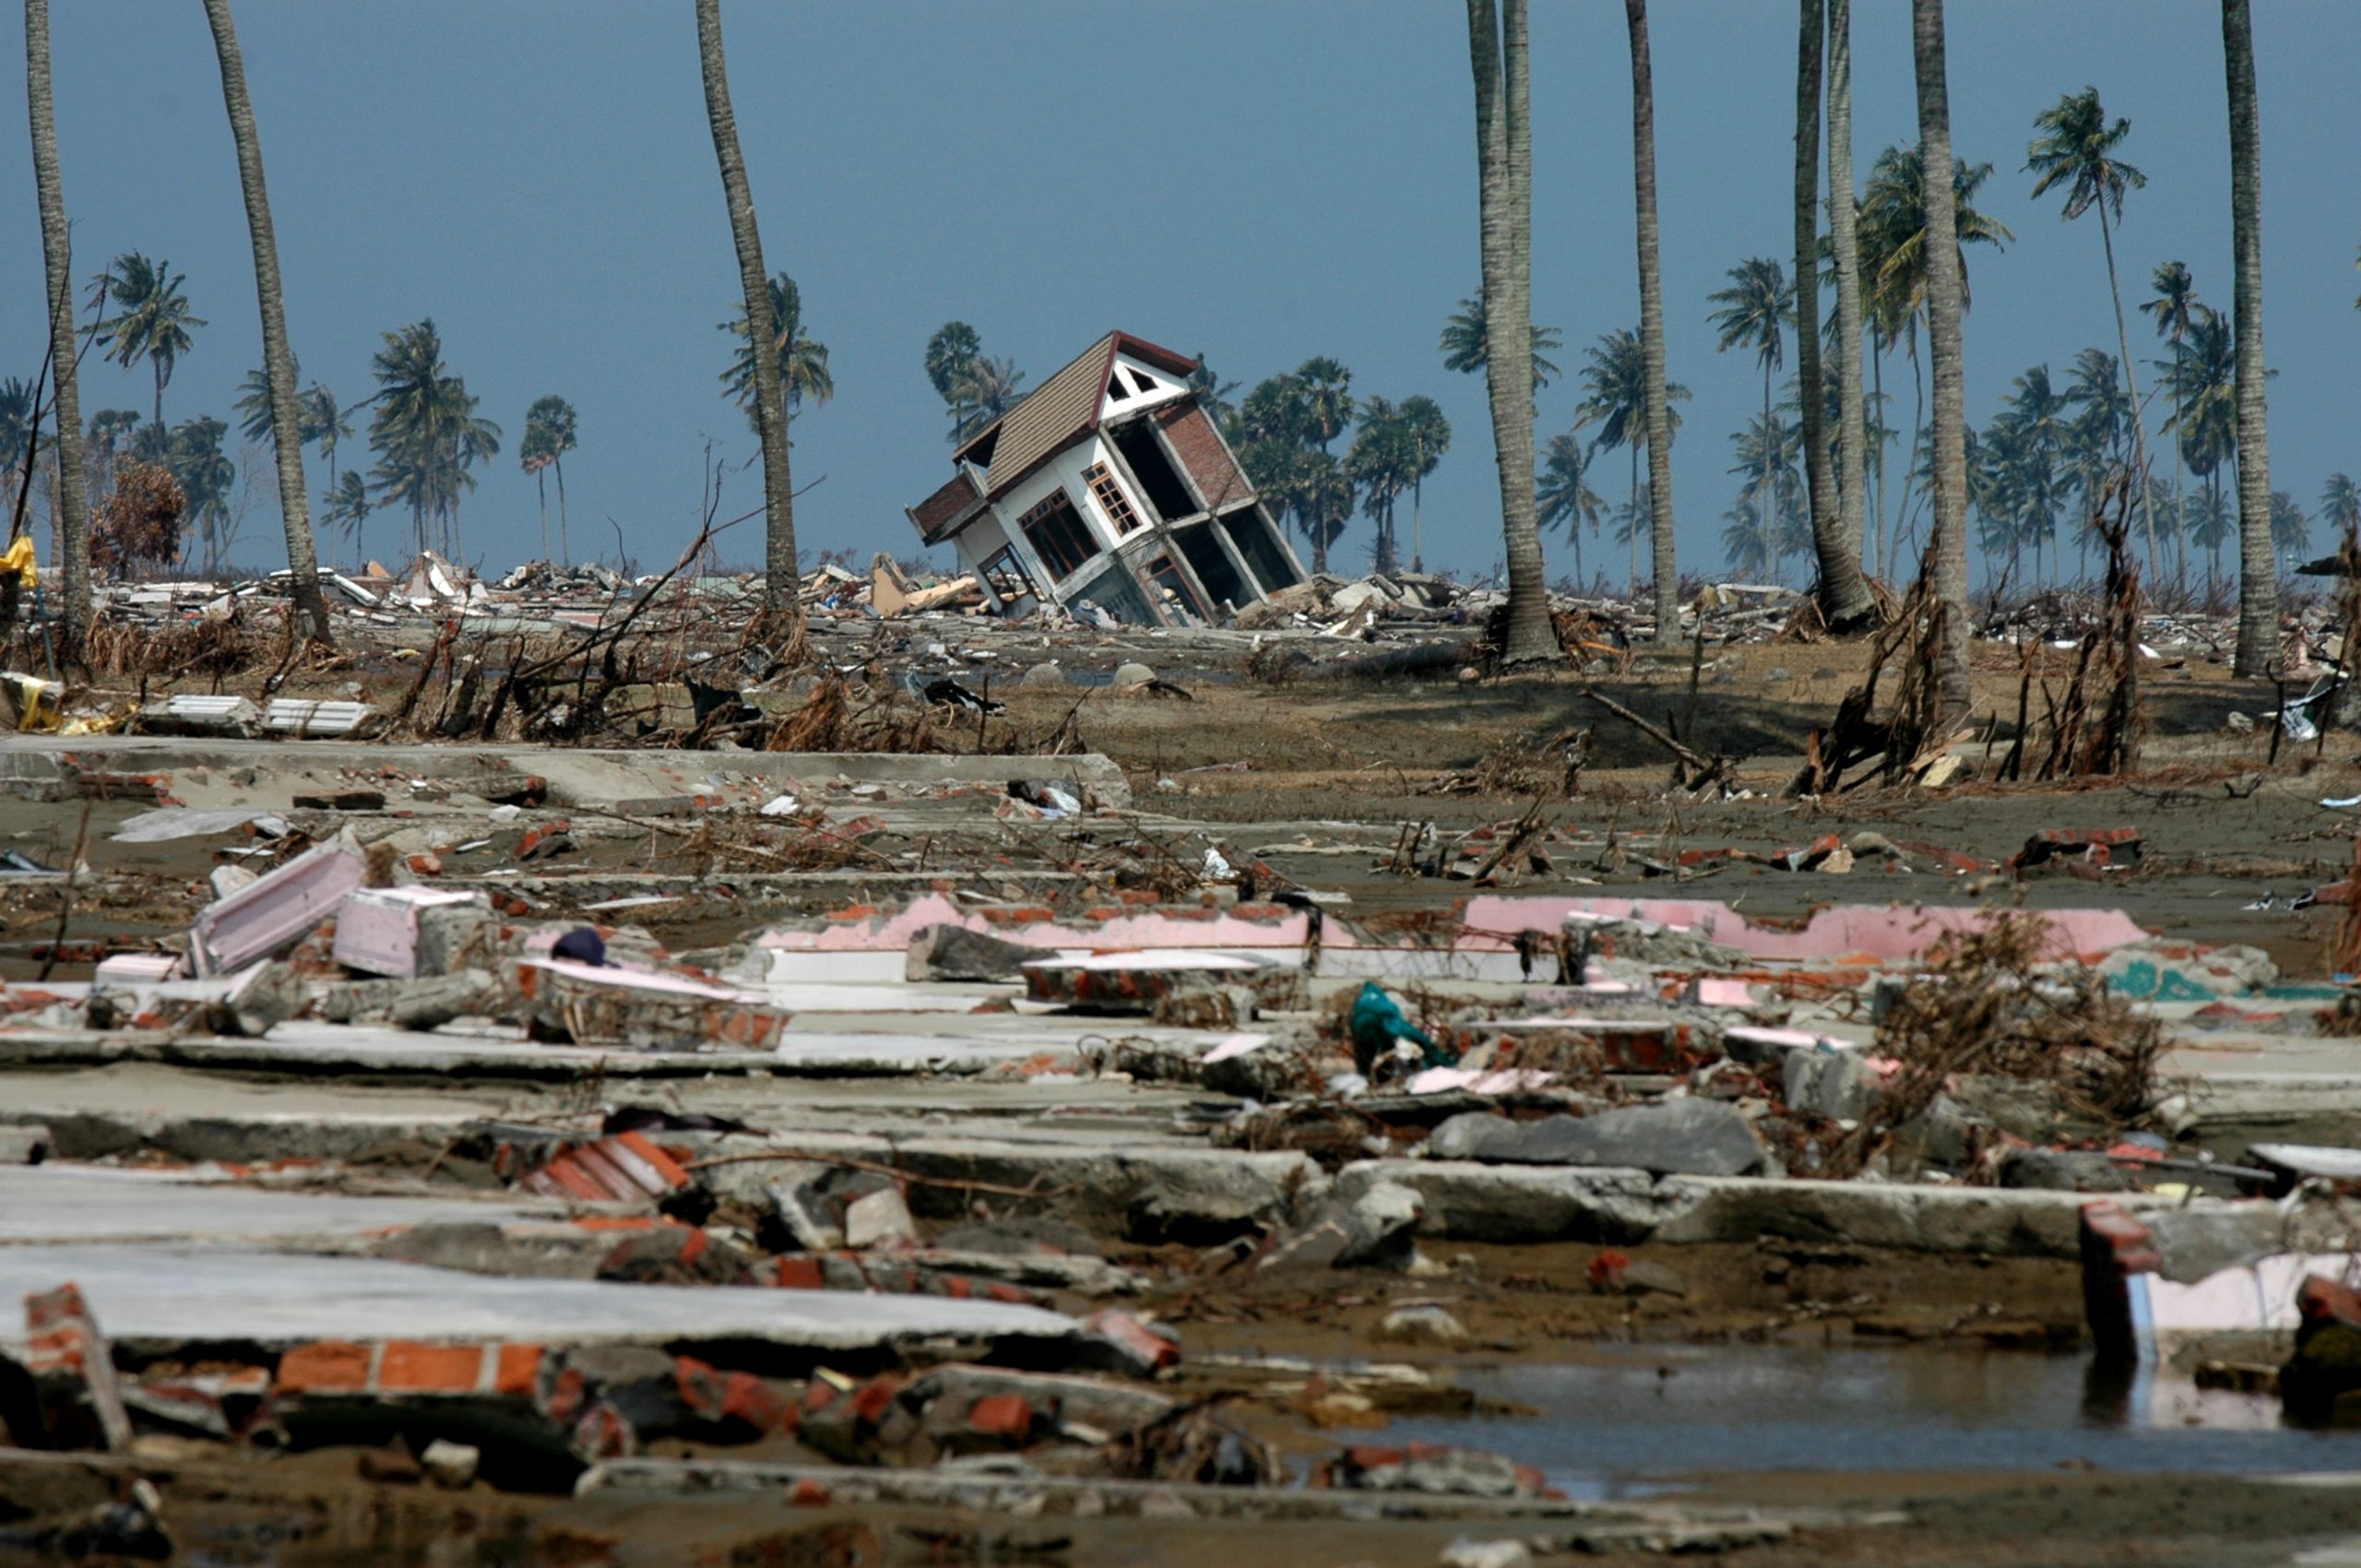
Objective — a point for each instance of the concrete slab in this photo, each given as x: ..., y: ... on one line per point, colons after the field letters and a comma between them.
x: 175, y: 1294
x: 43, y: 1205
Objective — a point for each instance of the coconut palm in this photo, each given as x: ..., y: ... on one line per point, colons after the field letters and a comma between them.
x: 1851, y: 446
x: 1564, y: 493
x: 1945, y: 300
x: 1657, y: 416
x: 2176, y: 309
x: 206, y: 475
x: 2077, y: 149
x: 310, y: 610
x: 2258, y: 581
x: 1462, y: 343
x: 153, y: 319
x: 549, y: 436
x: 1429, y: 434
x: 988, y: 388
x: 1615, y: 397
x: 2097, y: 434
x: 323, y: 424
x: 2291, y: 531
x: 19, y: 428
x: 1893, y: 235
x: 802, y: 363
x: 1766, y: 455
x: 781, y: 582
x: 2202, y: 378
x: 348, y: 507
x: 425, y: 431
x: 108, y: 431
x: 2340, y: 504
x: 2037, y: 422
x: 1498, y: 53
x: 1755, y: 310
x: 1843, y: 593
x: 1383, y: 463
x: 56, y: 248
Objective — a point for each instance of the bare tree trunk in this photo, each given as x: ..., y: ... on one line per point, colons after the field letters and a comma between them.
x: 2258, y: 568
x: 1657, y: 418
x: 1843, y: 594
x: 1497, y: 51
x: 1947, y: 544
x: 565, y: 539
x: 277, y: 362
x: 1852, y: 441
x: 2131, y: 385
x: 780, y: 600
x: 56, y: 247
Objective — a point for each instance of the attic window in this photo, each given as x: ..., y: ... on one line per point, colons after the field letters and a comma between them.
x: 1111, y: 499
x: 1118, y: 386
x: 1140, y: 385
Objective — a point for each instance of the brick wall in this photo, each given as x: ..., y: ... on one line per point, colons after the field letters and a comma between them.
x: 1204, y: 455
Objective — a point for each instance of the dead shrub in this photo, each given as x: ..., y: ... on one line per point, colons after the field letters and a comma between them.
x: 1995, y: 1003
x: 209, y: 647
x: 827, y: 721
x: 139, y: 523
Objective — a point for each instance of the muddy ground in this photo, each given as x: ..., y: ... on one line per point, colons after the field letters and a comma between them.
x: 1316, y: 781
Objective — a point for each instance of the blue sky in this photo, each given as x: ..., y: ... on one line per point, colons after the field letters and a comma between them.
x: 1260, y: 181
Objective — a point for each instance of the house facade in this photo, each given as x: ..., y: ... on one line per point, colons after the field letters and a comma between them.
x: 1108, y: 484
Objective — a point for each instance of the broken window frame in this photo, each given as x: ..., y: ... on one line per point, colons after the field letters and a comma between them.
x: 1054, y: 546
x: 1108, y: 491
x: 1006, y: 561
x: 1162, y: 571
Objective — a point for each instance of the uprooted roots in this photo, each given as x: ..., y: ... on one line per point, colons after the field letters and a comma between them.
x: 1995, y: 1003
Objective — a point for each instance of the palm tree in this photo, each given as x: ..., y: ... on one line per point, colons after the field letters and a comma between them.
x: 1656, y: 417
x: 57, y: 261
x: 206, y: 474
x: 2340, y: 504
x: 2077, y: 149
x: 1322, y: 489
x: 1462, y: 343
x: 2258, y: 581
x: 1755, y: 309
x: 1328, y: 399
x: 950, y: 353
x: 2203, y: 377
x: 1843, y: 593
x: 1213, y: 396
x: 425, y: 431
x: 781, y: 603
x: 1615, y: 379
x: 152, y: 321
x: 802, y: 363
x: 2291, y: 531
x: 1497, y: 51
x: 549, y: 436
x: 1851, y: 446
x: 108, y: 428
x: 2037, y: 419
x: 988, y: 388
x: 310, y: 610
x: 323, y: 424
x: 2176, y: 309
x: 1430, y: 434
x: 1946, y: 299
x: 2096, y: 435
x: 1892, y: 235
x: 1383, y: 463
x: 20, y: 427
x: 348, y: 505
x: 1767, y: 451
x: 1564, y: 492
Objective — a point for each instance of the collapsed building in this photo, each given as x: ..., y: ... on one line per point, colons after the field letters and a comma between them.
x: 1109, y: 487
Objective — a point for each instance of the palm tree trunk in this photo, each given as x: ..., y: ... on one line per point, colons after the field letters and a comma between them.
x: 279, y: 365
x: 780, y: 600
x: 1852, y: 419
x: 564, y: 540
x: 1418, y: 531
x: 2258, y: 573
x: 1947, y: 544
x: 1631, y: 522
x: 1656, y: 417
x: 2131, y: 384
x: 1770, y: 453
x: 1877, y: 376
x: 1496, y: 47
x: 541, y: 492
x: 73, y: 510
x: 1843, y: 593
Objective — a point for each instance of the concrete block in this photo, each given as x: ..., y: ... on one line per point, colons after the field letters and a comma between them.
x: 1687, y: 1134
x: 377, y: 929
x: 1834, y: 1084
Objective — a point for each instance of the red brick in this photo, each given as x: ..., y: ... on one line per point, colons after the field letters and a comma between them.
x: 1004, y: 1416
x: 448, y: 1368
x: 322, y: 1366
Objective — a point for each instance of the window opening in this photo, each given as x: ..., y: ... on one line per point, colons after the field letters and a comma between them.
x: 1059, y: 536
x: 1111, y: 499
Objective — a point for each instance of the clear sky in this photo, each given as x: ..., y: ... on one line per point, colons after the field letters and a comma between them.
x: 1256, y: 180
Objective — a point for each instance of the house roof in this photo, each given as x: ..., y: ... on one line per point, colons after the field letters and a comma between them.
x: 1049, y: 417
x: 941, y: 512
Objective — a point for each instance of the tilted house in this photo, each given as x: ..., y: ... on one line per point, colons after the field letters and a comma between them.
x: 1108, y: 483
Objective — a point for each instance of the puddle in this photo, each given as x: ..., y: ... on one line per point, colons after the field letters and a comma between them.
x: 1631, y: 1420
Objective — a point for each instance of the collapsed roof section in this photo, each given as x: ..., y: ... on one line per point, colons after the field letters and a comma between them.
x: 1108, y: 494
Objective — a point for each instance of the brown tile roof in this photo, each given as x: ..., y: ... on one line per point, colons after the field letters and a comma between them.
x: 1063, y: 408
x: 934, y: 515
